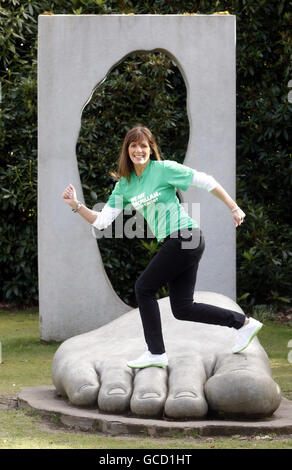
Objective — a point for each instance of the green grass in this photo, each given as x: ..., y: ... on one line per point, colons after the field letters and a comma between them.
x: 26, y: 362
x: 274, y: 338
x: 20, y: 430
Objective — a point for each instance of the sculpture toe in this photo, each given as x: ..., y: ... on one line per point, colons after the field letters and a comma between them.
x: 81, y: 384
x: 116, y: 388
x: 150, y: 391
x: 243, y: 393
x: 186, y: 389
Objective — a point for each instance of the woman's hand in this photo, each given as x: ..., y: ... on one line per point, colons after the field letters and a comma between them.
x: 69, y: 196
x: 238, y: 216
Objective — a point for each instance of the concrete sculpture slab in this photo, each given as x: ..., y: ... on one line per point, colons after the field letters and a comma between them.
x: 203, y: 375
x: 75, y: 54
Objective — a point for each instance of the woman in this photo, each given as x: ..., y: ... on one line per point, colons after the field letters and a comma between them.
x: 149, y: 184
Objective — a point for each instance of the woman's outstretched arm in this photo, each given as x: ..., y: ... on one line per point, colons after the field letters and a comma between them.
x: 205, y: 181
x: 70, y: 197
x: 100, y: 220
x: 237, y: 214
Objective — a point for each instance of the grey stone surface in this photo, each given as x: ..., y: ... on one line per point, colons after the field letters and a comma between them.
x: 44, y: 400
x: 76, y: 52
x: 203, y: 374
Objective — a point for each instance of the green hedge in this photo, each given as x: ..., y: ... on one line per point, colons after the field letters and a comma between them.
x: 155, y: 94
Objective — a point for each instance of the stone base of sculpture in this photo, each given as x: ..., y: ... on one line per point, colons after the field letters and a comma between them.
x: 203, y: 378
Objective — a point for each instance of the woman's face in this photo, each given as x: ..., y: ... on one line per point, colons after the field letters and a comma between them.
x: 139, y: 152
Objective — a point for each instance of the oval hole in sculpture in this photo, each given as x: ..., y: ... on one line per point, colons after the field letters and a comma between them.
x: 146, y: 88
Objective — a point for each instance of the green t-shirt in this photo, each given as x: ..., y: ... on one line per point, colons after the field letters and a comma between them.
x: 153, y: 194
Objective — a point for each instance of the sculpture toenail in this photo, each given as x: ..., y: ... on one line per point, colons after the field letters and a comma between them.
x: 85, y: 387
x: 186, y: 394
x: 150, y: 395
x: 117, y: 391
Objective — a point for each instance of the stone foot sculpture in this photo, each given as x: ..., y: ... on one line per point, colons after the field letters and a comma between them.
x: 203, y: 374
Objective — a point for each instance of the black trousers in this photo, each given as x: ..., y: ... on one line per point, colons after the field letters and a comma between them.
x: 176, y: 264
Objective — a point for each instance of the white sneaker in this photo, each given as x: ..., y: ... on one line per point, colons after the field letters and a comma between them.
x: 149, y: 360
x: 245, y: 335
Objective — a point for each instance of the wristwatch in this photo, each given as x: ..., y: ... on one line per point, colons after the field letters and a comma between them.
x: 78, y: 207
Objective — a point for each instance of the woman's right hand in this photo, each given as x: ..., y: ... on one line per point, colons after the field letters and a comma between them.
x: 69, y: 196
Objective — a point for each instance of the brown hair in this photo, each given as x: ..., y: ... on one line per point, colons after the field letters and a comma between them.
x: 125, y: 164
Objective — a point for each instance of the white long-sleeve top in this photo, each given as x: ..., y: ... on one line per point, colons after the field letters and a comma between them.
x: 108, y: 214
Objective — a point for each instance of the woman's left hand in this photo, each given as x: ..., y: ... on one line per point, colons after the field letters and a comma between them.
x: 238, y: 217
